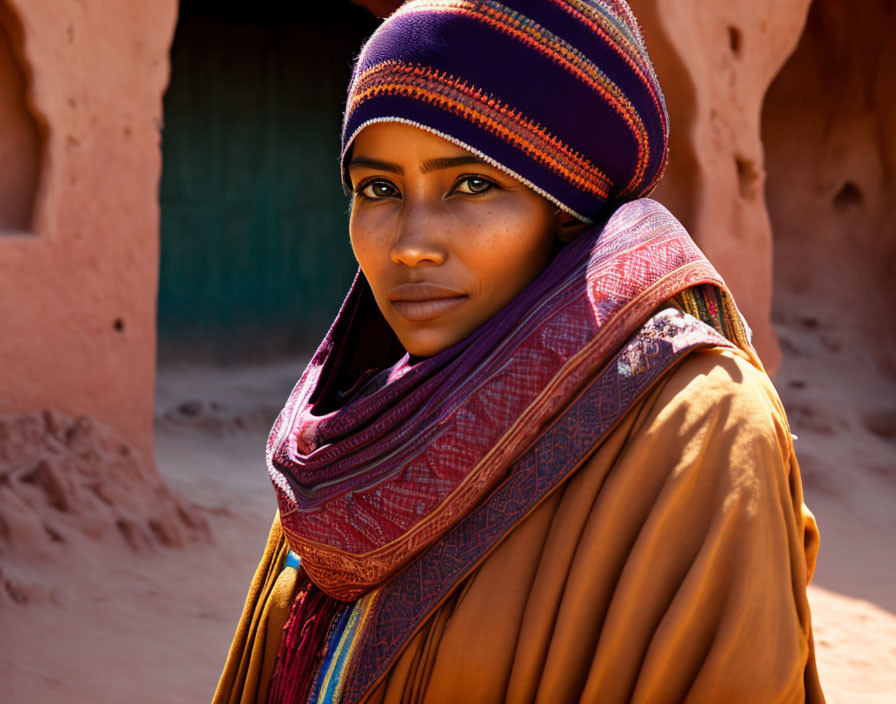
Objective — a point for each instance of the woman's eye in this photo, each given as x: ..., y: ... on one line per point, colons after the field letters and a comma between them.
x: 377, y: 190
x: 473, y: 185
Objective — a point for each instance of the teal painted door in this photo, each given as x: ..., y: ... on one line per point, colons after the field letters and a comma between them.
x: 255, y: 254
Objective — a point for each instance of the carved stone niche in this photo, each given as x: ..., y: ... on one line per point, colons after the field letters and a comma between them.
x: 20, y: 133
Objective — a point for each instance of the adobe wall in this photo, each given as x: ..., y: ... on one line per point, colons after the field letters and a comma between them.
x: 716, y: 64
x: 78, y: 275
x: 828, y: 126
x: 80, y: 112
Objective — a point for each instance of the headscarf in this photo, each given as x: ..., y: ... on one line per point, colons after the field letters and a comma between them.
x: 560, y: 94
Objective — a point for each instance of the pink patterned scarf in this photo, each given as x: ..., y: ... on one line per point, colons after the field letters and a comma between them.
x: 376, y: 456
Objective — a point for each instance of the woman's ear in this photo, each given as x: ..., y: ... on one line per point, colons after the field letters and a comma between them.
x: 568, y: 227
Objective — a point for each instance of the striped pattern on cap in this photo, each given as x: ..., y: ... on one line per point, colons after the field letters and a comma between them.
x: 559, y: 94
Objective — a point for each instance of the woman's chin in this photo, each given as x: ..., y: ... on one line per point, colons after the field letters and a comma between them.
x: 417, y: 347
x: 429, y: 342
x: 429, y: 338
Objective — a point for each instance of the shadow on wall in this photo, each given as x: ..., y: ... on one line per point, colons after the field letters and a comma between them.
x: 21, y: 138
x: 831, y: 158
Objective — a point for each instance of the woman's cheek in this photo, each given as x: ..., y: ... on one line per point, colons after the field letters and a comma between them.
x: 367, y: 239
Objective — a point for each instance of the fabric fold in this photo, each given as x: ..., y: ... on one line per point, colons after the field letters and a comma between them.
x: 250, y: 662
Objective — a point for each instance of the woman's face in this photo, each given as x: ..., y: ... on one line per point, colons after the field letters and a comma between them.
x: 444, y: 239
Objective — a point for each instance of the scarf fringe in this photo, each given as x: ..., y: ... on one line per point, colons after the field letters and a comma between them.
x: 302, y: 645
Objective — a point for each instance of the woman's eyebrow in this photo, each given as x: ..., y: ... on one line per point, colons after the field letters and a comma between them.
x: 448, y: 162
x: 370, y: 163
x: 425, y: 167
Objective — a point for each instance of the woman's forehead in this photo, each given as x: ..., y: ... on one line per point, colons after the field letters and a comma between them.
x: 393, y: 147
x: 398, y: 136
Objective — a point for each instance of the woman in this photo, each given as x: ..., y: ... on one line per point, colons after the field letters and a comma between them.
x: 535, y: 458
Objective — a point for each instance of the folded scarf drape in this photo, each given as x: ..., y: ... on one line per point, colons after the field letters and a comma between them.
x: 375, y: 455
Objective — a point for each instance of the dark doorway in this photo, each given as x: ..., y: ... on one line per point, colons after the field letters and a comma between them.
x: 255, y: 255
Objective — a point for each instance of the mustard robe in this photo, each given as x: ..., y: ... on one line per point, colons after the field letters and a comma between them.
x: 671, y: 567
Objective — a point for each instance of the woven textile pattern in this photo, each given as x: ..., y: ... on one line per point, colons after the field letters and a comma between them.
x: 523, y: 84
x: 364, y: 489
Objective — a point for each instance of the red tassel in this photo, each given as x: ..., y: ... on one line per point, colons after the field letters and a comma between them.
x: 303, y: 642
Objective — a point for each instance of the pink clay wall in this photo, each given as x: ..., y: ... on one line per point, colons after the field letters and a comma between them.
x: 829, y: 126
x: 716, y: 62
x: 77, y: 293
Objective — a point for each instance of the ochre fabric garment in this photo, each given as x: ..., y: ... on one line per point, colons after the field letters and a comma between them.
x: 250, y: 662
x: 672, y: 567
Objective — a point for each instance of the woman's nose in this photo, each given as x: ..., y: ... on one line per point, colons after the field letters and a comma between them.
x: 419, y: 238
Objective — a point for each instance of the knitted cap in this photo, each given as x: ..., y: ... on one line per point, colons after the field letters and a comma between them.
x: 560, y: 94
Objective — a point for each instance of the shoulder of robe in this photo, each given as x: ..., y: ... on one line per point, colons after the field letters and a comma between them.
x: 715, y: 418
x: 720, y: 390
x: 719, y: 414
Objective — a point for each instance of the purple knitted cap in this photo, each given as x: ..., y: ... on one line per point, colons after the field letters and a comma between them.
x: 560, y: 94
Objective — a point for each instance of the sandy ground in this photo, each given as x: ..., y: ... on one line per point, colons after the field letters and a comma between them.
x: 154, y: 627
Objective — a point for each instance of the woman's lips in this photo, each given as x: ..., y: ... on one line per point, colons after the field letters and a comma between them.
x: 424, y: 301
